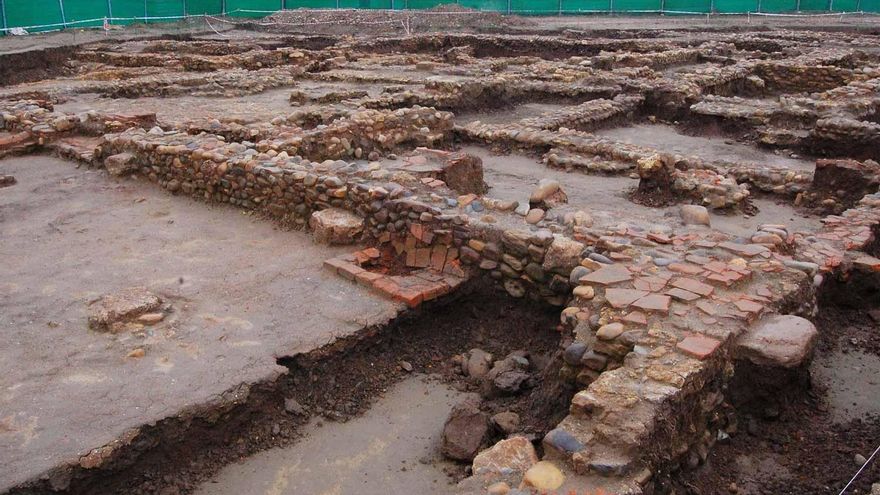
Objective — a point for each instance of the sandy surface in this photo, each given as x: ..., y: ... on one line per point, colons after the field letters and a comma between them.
x: 514, y: 176
x: 244, y: 293
x: 667, y: 138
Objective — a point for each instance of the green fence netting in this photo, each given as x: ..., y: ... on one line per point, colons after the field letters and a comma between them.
x: 48, y: 15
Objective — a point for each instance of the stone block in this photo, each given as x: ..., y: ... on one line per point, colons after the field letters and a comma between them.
x: 336, y: 226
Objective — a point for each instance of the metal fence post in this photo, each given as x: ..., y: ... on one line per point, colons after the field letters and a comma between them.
x: 798, y: 6
x: 508, y: 7
x: 63, y: 18
x: 110, y: 10
x: 184, y: 9
x: 3, y: 15
x: 145, y: 11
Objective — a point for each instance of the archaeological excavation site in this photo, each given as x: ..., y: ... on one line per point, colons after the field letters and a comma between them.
x: 447, y: 252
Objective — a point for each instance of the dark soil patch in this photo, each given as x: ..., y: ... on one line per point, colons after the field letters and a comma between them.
x: 337, y: 382
x: 35, y: 65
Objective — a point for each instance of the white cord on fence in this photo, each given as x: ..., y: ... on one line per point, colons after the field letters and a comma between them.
x: 860, y: 470
x: 212, y: 28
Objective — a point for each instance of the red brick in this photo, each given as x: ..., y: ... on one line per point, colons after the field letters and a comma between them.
x: 333, y: 264
x: 707, y: 307
x: 438, y: 257
x: 423, y: 258
x: 698, y: 346
x: 685, y: 268
x: 349, y: 271
x: 386, y: 286
x: 748, y: 306
x: 373, y: 253
x: 412, y: 296
x: 682, y: 295
x: 608, y: 275
x: 654, y: 302
x: 636, y: 317
x: 435, y: 290
x: 661, y: 238
x: 454, y: 268
x: 652, y: 284
x: 692, y: 285
x: 367, y: 279
x: 622, y: 298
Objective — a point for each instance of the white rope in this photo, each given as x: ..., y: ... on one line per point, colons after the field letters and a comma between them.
x: 218, y: 33
x: 860, y: 470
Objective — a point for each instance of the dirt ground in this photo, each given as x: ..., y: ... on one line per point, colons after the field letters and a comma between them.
x: 392, y: 448
x: 243, y: 294
x: 256, y: 321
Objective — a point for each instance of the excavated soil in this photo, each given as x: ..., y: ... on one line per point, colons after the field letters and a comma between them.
x: 36, y: 65
x: 809, y: 446
x: 342, y: 381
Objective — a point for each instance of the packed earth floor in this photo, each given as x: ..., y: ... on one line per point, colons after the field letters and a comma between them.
x: 451, y: 252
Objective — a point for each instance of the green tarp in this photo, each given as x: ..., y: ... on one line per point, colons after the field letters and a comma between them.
x: 45, y: 15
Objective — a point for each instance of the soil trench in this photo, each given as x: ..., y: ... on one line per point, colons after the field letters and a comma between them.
x: 386, y: 392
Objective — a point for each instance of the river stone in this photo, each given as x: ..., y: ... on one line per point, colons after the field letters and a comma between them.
x: 477, y: 363
x: 513, y: 455
x: 507, y: 421
x: 465, y: 430
x: 562, y: 441
x: 584, y: 292
x: 576, y: 273
x: 336, y: 226
x: 544, y: 476
x: 499, y: 488
x: 534, y: 215
x: 573, y: 353
x: 546, y: 187
x: 785, y: 341
x: 514, y: 287
x: 562, y: 255
x: 610, y: 331
x: 694, y: 215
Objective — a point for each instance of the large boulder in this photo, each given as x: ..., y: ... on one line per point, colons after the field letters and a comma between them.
x: 336, y: 226
x: 463, y: 173
x: 779, y: 341
x: 120, y: 164
x: 465, y: 431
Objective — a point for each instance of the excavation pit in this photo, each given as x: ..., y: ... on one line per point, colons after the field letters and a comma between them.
x: 607, y: 213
